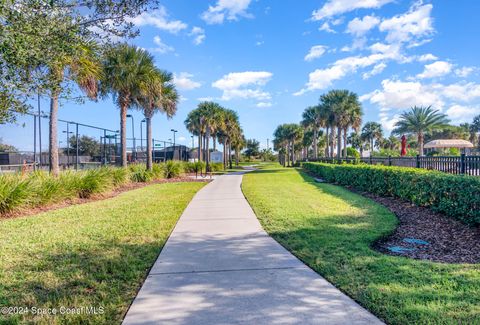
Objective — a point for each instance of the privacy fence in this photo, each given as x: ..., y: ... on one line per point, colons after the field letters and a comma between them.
x: 467, y: 165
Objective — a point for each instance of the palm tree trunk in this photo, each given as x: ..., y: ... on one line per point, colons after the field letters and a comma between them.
x: 123, y: 133
x: 339, y: 142
x: 345, y: 143
x: 332, y: 142
x: 224, y: 154
x: 53, y: 132
x: 199, y: 156
x: 237, y: 156
x: 315, y: 144
x: 230, y: 155
x: 420, y: 143
x: 207, y: 147
x: 214, y: 143
x: 328, y: 141
x: 149, y: 143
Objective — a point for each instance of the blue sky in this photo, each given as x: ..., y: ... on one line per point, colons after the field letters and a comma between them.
x: 268, y: 60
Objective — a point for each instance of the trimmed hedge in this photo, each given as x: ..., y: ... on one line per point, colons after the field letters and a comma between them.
x: 456, y: 196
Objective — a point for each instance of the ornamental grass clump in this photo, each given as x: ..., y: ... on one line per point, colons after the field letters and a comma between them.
x: 172, y: 169
x: 94, y: 181
x: 14, y: 192
x: 139, y: 173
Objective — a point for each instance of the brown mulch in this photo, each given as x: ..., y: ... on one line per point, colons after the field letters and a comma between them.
x: 124, y: 188
x: 450, y: 241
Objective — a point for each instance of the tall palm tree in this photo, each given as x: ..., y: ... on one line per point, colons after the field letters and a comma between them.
x: 475, y: 128
x: 314, y: 120
x: 127, y: 72
x: 418, y: 121
x: 82, y: 67
x: 158, y: 95
x: 372, y: 131
x: 194, y: 126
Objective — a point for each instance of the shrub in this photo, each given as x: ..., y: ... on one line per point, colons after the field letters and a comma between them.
x: 94, y: 181
x: 216, y: 167
x: 46, y: 189
x: 157, y: 171
x: 456, y: 196
x: 139, y: 173
x: 172, y: 169
x: 194, y: 167
x: 14, y: 192
x: 120, y: 176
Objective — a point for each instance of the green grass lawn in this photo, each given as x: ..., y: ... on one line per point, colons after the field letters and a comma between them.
x: 331, y: 229
x: 94, y: 254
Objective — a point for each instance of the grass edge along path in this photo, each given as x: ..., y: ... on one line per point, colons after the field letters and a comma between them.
x: 91, y: 255
x: 331, y: 229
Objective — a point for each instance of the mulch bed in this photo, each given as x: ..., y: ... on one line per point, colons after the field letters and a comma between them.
x: 127, y: 187
x: 449, y: 240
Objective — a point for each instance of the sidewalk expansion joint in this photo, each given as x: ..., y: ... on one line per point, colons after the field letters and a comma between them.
x: 230, y: 270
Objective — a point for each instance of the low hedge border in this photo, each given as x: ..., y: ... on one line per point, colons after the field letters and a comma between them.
x: 456, y: 196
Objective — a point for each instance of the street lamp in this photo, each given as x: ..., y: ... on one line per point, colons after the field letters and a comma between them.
x: 174, y: 148
x: 141, y: 134
x: 134, y: 152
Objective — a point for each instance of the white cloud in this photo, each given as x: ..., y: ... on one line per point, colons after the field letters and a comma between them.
x: 427, y: 57
x: 246, y: 84
x: 161, y: 47
x: 205, y: 99
x: 226, y: 9
x: 198, y: 35
x: 326, y: 28
x: 337, y: 7
x: 323, y: 78
x: 462, y: 114
x: 378, y: 68
x: 398, y: 94
x: 464, y: 92
x: 360, y: 27
x: 315, y: 52
x: 259, y: 43
x: 412, y: 26
x: 264, y: 104
x: 184, y: 81
x: 464, y: 72
x: 159, y: 19
x: 435, y: 69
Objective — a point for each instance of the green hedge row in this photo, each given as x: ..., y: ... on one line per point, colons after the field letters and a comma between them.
x: 454, y: 195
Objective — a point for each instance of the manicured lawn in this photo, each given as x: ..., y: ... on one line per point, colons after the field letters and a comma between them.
x: 331, y: 230
x: 95, y: 254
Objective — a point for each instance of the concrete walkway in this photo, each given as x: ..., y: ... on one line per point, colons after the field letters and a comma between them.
x: 220, y: 267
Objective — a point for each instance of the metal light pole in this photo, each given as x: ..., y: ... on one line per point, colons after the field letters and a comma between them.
x: 174, y: 148
x: 68, y: 144
x: 134, y: 152
x: 35, y: 142
x: 39, y: 129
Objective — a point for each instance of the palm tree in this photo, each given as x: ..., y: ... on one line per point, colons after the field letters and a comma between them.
x: 280, y: 143
x: 314, y: 120
x: 418, y: 121
x: 475, y: 128
x: 372, y: 131
x: 128, y: 71
x: 193, y: 125
x: 83, y: 67
x: 159, y: 94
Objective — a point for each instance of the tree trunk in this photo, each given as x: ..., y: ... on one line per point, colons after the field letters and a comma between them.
x: 207, y: 147
x: 149, y: 142
x: 123, y: 133
x: 214, y: 143
x: 315, y: 144
x: 328, y: 139
x: 345, y: 143
x: 339, y: 142
x: 53, y: 133
x: 230, y: 156
x: 237, y: 156
x: 199, y: 155
x: 420, y: 144
x: 332, y: 142
x: 224, y: 155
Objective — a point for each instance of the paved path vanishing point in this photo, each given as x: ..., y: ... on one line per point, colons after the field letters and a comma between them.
x: 220, y: 267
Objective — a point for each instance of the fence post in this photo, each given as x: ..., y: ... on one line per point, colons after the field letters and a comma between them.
x: 417, y: 161
x: 389, y: 160
x: 462, y: 164
x: 370, y: 159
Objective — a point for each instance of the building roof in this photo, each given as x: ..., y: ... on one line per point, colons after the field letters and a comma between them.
x: 448, y: 143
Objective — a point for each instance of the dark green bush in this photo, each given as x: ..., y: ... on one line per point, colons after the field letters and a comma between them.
x: 456, y: 196
x: 216, y: 167
x: 94, y: 181
x: 194, y: 167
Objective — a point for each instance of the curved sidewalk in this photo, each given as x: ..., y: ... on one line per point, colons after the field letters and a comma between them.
x: 220, y: 267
